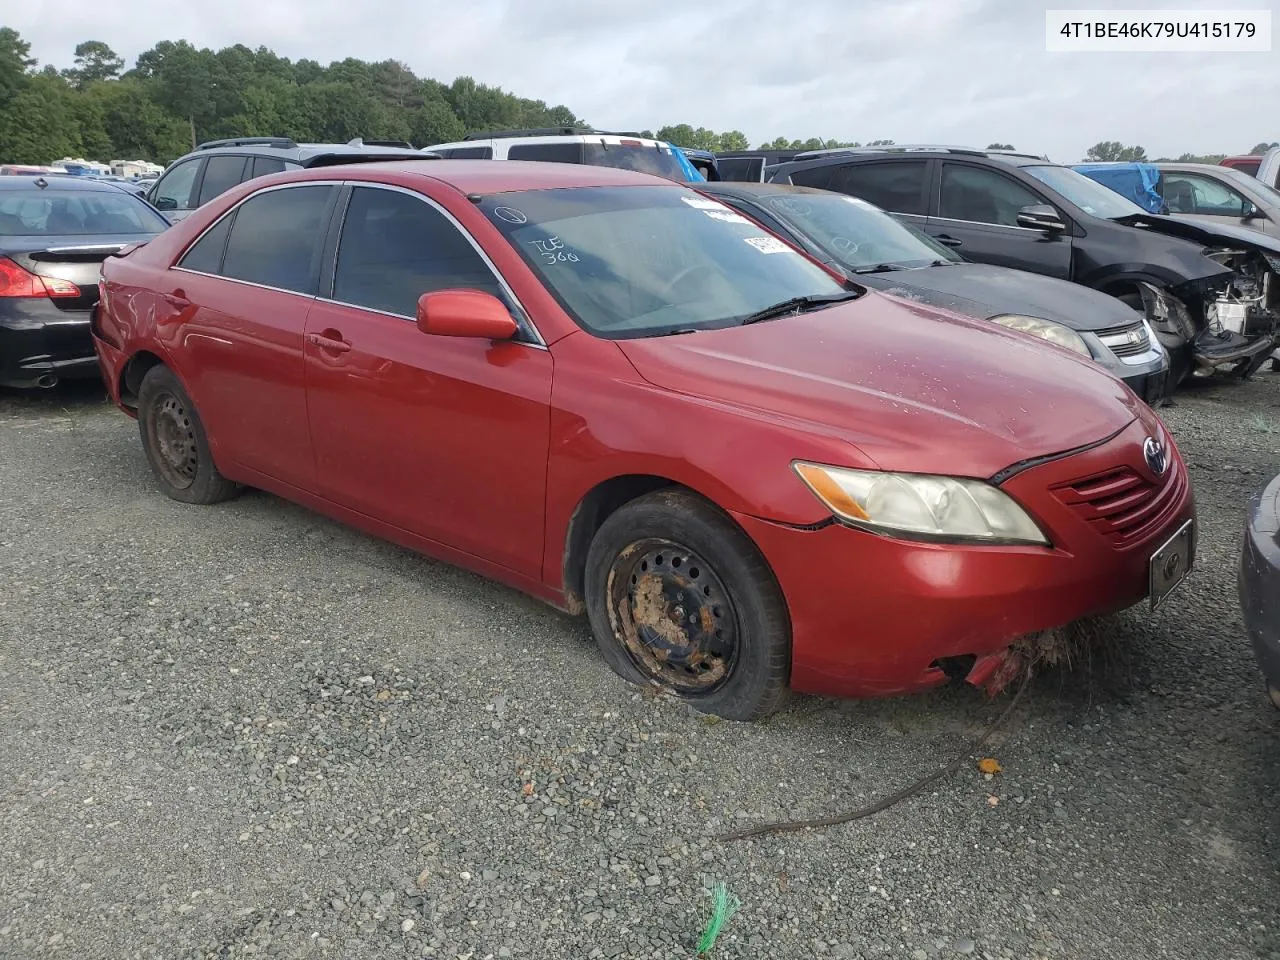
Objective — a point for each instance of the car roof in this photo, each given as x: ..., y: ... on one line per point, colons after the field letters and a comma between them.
x: 837, y: 155
x: 498, y: 176
x: 740, y: 188
x: 58, y: 182
x: 303, y: 153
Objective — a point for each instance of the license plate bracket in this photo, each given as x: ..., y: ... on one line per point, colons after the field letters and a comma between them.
x: 1170, y: 564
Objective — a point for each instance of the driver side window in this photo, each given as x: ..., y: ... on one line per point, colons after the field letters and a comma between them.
x: 980, y: 195
x: 173, y: 190
x: 1196, y: 194
x: 395, y: 247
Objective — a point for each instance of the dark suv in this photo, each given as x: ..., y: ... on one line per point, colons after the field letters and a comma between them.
x: 217, y: 166
x: 1201, y: 285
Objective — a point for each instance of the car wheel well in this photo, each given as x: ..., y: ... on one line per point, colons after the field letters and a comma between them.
x: 1124, y: 290
x: 591, y: 512
x: 132, y: 374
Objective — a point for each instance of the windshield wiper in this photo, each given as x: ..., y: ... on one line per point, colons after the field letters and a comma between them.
x: 798, y: 304
x: 881, y: 268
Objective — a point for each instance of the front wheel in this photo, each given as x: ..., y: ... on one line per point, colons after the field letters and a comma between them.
x: 679, y: 597
x: 175, y: 442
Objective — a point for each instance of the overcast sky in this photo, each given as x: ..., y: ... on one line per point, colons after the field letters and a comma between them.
x: 919, y: 71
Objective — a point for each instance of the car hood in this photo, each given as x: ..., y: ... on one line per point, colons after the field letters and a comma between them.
x: 914, y: 389
x: 983, y: 291
x: 1210, y: 234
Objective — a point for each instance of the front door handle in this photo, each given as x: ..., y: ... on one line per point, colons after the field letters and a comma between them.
x: 176, y: 299
x: 947, y: 241
x: 330, y: 340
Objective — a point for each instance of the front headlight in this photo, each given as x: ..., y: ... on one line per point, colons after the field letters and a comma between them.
x: 921, y: 506
x: 1045, y: 330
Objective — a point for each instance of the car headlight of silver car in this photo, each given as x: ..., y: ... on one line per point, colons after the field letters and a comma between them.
x: 921, y: 506
x: 1057, y: 333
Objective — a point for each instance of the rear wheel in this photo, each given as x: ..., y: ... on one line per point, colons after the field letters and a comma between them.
x: 680, y: 598
x: 175, y: 442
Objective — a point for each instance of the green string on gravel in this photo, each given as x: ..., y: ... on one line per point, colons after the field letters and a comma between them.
x: 723, y: 906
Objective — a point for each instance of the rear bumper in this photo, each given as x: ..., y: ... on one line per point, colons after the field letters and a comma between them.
x: 38, y: 341
x: 871, y: 615
x: 1259, y: 580
x: 110, y: 362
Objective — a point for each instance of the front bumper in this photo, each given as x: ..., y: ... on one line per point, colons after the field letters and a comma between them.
x: 38, y: 341
x: 1259, y: 580
x: 872, y: 616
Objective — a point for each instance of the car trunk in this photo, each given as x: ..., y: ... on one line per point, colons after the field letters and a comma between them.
x: 74, y: 259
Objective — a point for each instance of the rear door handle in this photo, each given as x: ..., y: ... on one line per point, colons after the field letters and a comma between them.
x: 330, y: 340
x: 947, y: 241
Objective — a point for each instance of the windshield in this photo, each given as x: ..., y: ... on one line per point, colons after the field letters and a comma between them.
x: 651, y: 159
x: 1089, y: 195
x: 856, y: 233
x: 63, y: 213
x: 630, y: 262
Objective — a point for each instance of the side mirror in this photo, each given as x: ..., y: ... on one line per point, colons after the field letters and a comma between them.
x: 465, y: 313
x: 165, y: 203
x: 1041, y: 216
x: 1250, y: 211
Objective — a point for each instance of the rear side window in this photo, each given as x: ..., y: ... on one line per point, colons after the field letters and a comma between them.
x: 982, y: 196
x: 276, y: 237
x: 221, y: 175
x: 205, y: 255
x: 897, y: 186
x: 468, y: 153
x: 547, y: 152
x: 395, y: 247
x: 262, y: 166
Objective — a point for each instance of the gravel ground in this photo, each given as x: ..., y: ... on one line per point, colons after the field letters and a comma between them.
x: 247, y: 731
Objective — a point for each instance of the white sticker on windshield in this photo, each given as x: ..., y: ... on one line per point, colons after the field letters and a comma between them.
x: 702, y: 203
x: 767, y: 244
x: 728, y: 216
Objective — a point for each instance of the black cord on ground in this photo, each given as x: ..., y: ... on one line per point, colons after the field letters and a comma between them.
x: 791, y: 826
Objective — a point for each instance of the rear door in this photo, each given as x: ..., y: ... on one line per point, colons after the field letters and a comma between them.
x: 242, y: 292
x: 444, y: 437
x: 975, y: 211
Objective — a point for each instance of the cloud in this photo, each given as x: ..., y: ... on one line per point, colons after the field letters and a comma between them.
x: 957, y: 71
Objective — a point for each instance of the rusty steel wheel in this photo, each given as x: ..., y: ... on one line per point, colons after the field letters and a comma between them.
x: 173, y: 437
x: 674, y: 616
x: 681, y: 599
x: 175, y: 442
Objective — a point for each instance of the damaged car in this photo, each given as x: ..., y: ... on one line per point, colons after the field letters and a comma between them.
x: 868, y: 246
x: 1209, y: 291
x: 1259, y: 583
x: 616, y: 394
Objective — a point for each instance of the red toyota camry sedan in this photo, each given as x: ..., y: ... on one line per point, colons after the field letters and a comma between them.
x: 625, y: 398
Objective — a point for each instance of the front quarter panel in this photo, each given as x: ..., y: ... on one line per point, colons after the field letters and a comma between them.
x: 607, y: 422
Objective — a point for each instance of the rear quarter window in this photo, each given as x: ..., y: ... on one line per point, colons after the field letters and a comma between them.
x: 546, y: 152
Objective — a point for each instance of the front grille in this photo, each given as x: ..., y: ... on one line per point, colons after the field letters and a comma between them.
x: 1121, y: 504
x: 1126, y: 341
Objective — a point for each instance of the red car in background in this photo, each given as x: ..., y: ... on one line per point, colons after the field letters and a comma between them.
x: 623, y: 397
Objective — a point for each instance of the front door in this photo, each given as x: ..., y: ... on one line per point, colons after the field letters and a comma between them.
x: 977, y: 215
x: 444, y: 437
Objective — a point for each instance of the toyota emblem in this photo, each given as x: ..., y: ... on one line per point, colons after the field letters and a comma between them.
x: 1154, y: 453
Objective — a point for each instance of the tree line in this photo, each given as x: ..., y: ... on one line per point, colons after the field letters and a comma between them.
x: 176, y: 95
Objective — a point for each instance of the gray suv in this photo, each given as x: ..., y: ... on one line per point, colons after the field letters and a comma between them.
x: 217, y: 166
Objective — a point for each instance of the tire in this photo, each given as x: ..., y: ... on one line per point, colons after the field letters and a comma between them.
x: 175, y: 442
x: 1275, y: 364
x: 646, y: 563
